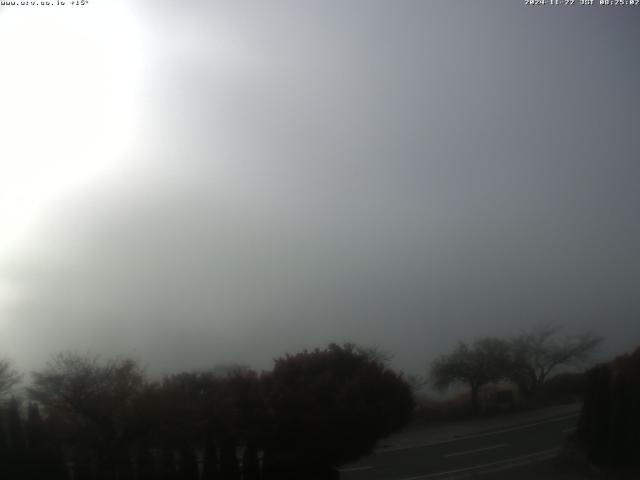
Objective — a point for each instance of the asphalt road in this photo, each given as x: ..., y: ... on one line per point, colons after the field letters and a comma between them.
x: 475, y: 453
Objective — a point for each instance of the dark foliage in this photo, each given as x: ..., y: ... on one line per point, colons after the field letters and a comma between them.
x: 17, y: 460
x: 564, y: 387
x: 188, y: 464
x: 609, y: 427
x: 331, y: 406
x: 250, y: 463
x: 27, y: 452
x: 210, y: 468
x: 313, y: 412
x: 229, y: 467
x: 143, y: 460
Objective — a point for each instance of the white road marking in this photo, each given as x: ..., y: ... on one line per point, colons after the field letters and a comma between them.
x: 478, y: 435
x: 355, y: 469
x: 514, y: 460
x: 492, y: 447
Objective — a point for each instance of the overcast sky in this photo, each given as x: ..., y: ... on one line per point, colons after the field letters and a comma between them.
x: 196, y: 183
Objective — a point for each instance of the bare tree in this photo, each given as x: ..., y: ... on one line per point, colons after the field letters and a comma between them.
x: 536, y: 354
x: 94, y: 395
x: 483, y: 362
x: 9, y: 377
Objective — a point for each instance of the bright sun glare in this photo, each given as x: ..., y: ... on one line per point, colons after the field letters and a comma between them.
x: 69, y: 86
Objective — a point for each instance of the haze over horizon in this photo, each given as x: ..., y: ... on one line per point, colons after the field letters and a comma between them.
x: 225, y: 183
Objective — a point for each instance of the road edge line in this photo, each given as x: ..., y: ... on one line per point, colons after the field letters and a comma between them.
x: 476, y: 435
x: 484, y: 467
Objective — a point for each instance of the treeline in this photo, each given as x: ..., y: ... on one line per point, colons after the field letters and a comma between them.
x: 90, y: 419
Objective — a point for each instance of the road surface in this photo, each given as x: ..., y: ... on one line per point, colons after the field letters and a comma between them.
x: 485, y: 451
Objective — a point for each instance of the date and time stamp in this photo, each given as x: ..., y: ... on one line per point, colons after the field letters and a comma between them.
x: 44, y: 3
x: 583, y: 3
x: 530, y: 3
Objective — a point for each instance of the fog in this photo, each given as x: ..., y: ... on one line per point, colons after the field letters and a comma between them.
x: 401, y: 174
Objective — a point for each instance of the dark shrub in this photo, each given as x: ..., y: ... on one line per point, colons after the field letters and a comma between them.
x: 609, y: 427
x: 331, y: 406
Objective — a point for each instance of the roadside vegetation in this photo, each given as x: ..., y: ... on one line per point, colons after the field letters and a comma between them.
x: 89, y: 418
x: 608, y: 433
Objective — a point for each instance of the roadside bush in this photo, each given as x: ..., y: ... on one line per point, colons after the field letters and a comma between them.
x: 104, y: 419
x: 329, y: 407
x: 564, y: 388
x: 609, y: 427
